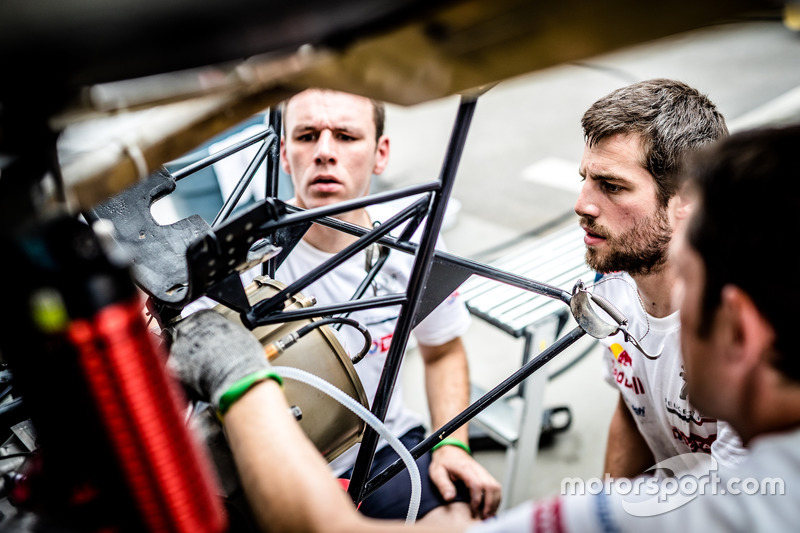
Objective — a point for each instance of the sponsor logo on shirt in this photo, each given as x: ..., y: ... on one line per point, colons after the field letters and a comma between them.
x: 381, y: 345
x: 696, y: 443
x: 623, y: 362
x: 632, y: 382
x: 689, y: 416
x: 622, y: 356
x: 682, y: 375
x: 638, y: 411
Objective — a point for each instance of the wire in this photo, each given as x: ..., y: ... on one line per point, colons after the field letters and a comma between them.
x: 341, y: 320
x: 276, y: 347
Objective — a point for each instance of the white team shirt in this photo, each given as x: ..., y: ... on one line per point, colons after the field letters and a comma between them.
x: 654, y: 390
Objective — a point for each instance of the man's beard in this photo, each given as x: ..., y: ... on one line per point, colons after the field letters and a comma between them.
x: 642, y: 250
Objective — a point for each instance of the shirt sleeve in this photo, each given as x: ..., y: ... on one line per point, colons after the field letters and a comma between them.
x: 449, y: 320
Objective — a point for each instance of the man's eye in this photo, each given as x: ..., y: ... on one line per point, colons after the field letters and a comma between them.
x: 610, y: 187
x: 346, y: 137
x: 307, y: 137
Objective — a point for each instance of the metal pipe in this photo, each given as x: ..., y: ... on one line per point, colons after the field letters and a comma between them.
x: 368, y: 279
x: 300, y: 216
x: 476, y: 407
x: 508, y: 277
x: 327, y: 310
x: 264, y: 307
x: 243, y: 183
x: 273, y: 163
x: 475, y: 267
x: 416, y: 284
x: 222, y: 154
x: 273, y: 170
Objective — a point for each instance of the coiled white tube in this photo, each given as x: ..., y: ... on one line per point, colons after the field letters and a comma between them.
x: 344, y: 399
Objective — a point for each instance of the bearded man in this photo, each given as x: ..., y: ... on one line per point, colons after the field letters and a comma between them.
x: 630, y: 204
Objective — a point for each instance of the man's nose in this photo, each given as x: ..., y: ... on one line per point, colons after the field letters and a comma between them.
x: 325, y: 151
x: 586, y: 204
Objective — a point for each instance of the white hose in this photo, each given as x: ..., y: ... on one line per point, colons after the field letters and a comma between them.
x: 373, y: 421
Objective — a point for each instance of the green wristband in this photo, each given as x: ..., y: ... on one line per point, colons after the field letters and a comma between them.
x: 243, y: 385
x: 449, y: 441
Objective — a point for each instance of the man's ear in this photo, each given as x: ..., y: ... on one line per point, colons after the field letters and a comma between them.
x: 751, y: 333
x: 682, y: 206
x: 284, y: 159
x: 381, y: 155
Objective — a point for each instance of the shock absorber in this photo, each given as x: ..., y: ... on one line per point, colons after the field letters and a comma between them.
x: 139, y: 407
x: 167, y: 476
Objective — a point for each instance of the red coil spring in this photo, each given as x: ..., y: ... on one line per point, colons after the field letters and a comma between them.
x: 168, y: 475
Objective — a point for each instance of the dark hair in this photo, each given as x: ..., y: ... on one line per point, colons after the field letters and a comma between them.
x: 378, y: 113
x: 748, y: 195
x: 672, y: 118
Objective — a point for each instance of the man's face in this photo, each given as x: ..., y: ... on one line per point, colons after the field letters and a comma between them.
x: 330, y: 148
x: 626, y: 227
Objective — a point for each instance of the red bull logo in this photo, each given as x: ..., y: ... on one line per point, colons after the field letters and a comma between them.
x: 452, y: 298
x: 632, y: 382
x: 622, y: 357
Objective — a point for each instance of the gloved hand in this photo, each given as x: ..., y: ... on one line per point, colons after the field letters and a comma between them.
x: 216, y: 359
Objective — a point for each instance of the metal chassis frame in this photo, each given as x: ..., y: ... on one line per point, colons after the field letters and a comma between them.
x: 432, y: 205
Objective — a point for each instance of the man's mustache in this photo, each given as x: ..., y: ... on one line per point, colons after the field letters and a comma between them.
x: 594, y: 228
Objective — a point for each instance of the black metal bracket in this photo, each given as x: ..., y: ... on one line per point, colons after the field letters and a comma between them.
x: 179, y: 262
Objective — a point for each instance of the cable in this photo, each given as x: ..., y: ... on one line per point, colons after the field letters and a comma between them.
x: 322, y: 385
x: 281, y: 344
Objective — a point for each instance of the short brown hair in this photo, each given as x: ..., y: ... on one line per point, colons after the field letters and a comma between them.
x: 378, y: 113
x: 672, y: 119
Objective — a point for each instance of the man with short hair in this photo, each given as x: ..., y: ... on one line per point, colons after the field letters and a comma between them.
x: 333, y: 144
x: 630, y: 206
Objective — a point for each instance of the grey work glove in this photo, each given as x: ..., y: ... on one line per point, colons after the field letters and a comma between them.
x: 209, y: 354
